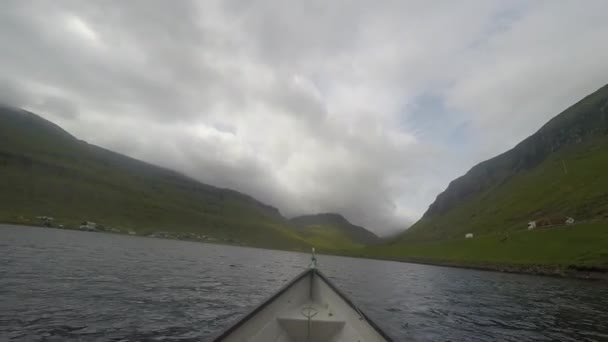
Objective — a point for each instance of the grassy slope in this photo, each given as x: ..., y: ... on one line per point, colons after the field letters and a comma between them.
x: 328, y: 238
x: 581, y: 192
x: 45, y: 171
x: 577, y: 245
x: 332, y: 232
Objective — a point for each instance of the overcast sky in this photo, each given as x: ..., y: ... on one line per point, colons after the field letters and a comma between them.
x: 367, y: 108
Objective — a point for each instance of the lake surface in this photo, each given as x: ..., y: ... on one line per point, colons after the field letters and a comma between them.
x: 59, y: 285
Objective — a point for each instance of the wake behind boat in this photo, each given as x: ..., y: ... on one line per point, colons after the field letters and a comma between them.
x: 308, y: 308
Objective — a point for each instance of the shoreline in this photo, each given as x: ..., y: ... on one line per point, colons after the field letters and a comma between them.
x: 553, y: 271
x: 588, y: 273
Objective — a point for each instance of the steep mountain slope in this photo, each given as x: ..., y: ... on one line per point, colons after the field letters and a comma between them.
x: 561, y: 169
x: 322, y: 229
x: 46, y: 171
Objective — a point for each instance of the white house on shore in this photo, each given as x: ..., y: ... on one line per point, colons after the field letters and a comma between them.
x: 87, y: 225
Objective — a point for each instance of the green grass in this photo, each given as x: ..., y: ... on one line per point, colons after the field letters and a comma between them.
x: 580, y: 192
x: 560, y: 170
x: 328, y: 238
x: 504, y: 210
x: 45, y: 171
x: 579, y: 245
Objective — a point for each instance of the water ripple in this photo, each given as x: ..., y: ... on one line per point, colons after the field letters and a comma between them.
x: 60, y: 285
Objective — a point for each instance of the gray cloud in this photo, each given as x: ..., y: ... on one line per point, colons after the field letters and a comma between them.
x: 11, y: 93
x: 307, y: 105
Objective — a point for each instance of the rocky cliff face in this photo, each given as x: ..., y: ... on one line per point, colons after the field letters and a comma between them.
x: 586, y: 119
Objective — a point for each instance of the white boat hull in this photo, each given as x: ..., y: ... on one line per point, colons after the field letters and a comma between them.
x: 309, y: 308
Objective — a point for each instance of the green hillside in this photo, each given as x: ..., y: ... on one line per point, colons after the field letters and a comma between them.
x: 560, y: 170
x: 331, y: 231
x: 555, y: 250
x: 571, y: 182
x: 46, y: 171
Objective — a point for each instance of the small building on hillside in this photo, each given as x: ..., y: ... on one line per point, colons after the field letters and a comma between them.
x: 87, y: 225
x: 468, y: 236
x: 45, y: 218
x: 550, y: 221
x: 47, y: 221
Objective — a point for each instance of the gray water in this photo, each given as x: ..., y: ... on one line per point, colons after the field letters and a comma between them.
x: 58, y: 285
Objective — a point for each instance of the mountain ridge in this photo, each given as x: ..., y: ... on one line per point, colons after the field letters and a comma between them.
x: 528, y: 153
x: 49, y: 172
x: 567, y: 137
x: 482, y: 219
x: 36, y: 119
x: 46, y: 171
x: 357, y: 233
